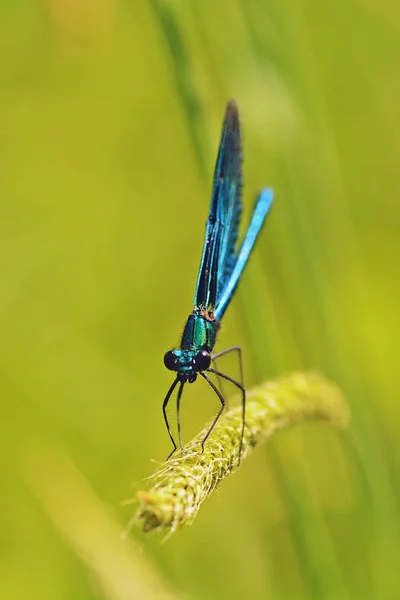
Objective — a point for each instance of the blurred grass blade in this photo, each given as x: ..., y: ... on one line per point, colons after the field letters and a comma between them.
x: 181, y: 485
x: 183, y: 78
x: 122, y: 571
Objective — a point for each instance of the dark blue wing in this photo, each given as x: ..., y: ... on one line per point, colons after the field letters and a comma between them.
x: 219, y: 252
x: 261, y: 209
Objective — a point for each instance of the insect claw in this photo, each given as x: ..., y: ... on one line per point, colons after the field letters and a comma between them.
x: 170, y: 454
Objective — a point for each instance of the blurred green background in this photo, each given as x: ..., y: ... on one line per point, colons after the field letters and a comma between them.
x: 110, y: 115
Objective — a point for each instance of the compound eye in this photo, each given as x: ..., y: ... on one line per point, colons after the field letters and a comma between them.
x: 202, y: 360
x: 170, y: 360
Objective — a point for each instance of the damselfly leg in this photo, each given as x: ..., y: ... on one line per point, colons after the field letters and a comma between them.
x: 164, y: 408
x: 223, y: 404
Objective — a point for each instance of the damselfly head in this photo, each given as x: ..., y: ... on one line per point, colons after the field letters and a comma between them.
x: 187, y: 363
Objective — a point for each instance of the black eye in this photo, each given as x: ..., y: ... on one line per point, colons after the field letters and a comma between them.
x: 202, y: 360
x: 170, y: 360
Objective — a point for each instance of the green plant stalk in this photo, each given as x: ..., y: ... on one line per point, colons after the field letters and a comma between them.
x: 182, y: 484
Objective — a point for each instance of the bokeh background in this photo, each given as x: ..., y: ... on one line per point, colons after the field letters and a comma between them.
x: 110, y: 115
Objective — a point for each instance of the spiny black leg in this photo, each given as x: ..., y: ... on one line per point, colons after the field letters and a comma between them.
x: 222, y: 353
x: 227, y: 351
x: 242, y: 389
x: 223, y: 403
x: 164, y: 408
x: 178, y: 414
x: 239, y: 351
x: 219, y: 381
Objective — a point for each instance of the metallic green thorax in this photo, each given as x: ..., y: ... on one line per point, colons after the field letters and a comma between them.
x: 200, y: 333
